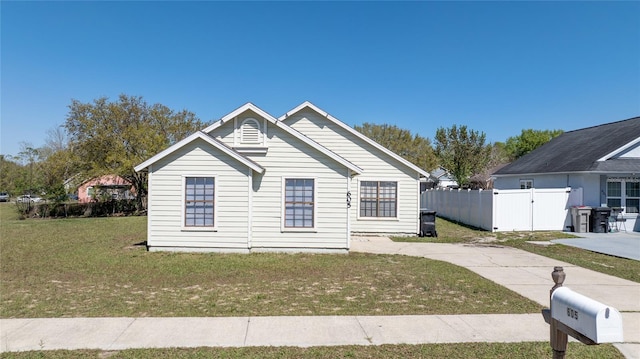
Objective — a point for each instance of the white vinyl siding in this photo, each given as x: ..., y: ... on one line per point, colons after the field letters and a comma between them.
x: 167, y: 196
x: 377, y: 166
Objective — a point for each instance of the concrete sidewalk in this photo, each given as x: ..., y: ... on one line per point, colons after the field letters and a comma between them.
x: 525, y: 273
x: 124, y: 333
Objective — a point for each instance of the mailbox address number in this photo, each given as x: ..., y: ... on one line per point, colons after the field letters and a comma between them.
x: 572, y: 313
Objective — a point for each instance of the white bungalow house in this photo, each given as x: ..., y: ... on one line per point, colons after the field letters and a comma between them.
x: 302, y: 182
x: 604, y: 161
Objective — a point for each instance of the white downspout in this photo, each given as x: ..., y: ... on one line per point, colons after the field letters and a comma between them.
x: 348, y: 211
x: 417, y: 218
x: 149, y: 210
x: 250, y: 218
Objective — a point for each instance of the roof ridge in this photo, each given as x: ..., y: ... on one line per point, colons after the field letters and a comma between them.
x: 603, y: 124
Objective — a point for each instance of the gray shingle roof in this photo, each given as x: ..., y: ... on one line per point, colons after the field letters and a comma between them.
x: 579, y: 151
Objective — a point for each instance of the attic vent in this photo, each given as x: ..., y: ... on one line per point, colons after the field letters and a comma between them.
x: 250, y: 131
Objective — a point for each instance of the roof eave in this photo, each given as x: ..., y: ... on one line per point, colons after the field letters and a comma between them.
x: 249, y: 163
x: 620, y: 149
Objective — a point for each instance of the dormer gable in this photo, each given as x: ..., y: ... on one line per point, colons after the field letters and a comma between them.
x: 248, y: 132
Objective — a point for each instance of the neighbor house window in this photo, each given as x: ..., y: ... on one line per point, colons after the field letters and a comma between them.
x: 299, y: 203
x: 614, y: 194
x: 199, y: 201
x: 632, y: 196
x: 624, y: 193
x: 378, y: 199
x: 526, y: 183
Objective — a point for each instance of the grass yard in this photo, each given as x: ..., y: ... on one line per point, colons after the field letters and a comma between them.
x: 91, y: 267
x: 449, y: 351
x: 450, y: 232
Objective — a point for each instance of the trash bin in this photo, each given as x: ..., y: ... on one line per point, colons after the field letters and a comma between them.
x: 600, y: 219
x: 580, y: 216
x: 428, y: 223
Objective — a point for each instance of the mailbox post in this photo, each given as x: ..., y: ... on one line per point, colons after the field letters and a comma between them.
x: 583, y: 318
x: 558, y: 338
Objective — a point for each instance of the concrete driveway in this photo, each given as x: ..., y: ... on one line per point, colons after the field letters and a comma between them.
x: 619, y: 244
x: 527, y: 274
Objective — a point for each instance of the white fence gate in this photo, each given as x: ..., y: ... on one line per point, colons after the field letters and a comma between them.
x: 506, y: 210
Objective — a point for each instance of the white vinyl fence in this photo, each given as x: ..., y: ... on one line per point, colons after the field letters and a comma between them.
x: 506, y: 210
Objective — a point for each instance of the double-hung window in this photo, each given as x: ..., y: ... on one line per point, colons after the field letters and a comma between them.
x: 526, y: 183
x: 624, y: 193
x: 378, y: 199
x: 199, y: 202
x: 299, y: 203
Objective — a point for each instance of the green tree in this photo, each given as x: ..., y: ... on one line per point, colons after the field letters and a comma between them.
x: 462, y: 152
x: 113, y: 137
x: 31, y: 159
x: 12, y: 176
x: 528, y: 140
x: 414, y: 148
x: 59, y: 162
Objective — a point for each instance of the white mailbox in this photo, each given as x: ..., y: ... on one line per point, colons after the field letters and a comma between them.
x: 594, y: 320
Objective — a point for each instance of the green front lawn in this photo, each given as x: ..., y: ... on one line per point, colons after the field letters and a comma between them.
x: 95, y: 267
x: 449, y: 351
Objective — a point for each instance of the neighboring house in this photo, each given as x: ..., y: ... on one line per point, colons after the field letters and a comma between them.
x: 442, y: 178
x: 484, y: 180
x: 603, y: 160
x: 301, y: 182
x: 110, y: 186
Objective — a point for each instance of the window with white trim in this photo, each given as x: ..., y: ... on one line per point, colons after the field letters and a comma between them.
x: 250, y: 132
x: 199, y: 201
x: 299, y: 203
x: 624, y: 193
x: 378, y: 199
x: 526, y: 183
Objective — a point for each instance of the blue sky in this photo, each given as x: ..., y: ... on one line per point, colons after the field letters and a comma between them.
x: 497, y: 67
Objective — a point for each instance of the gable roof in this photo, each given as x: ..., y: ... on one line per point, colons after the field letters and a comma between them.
x: 286, y: 128
x: 441, y: 173
x: 591, y: 149
x: 212, y: 141
x: 351, y: 130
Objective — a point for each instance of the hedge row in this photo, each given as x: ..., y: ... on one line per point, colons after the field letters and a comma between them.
x: 124, y: 207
